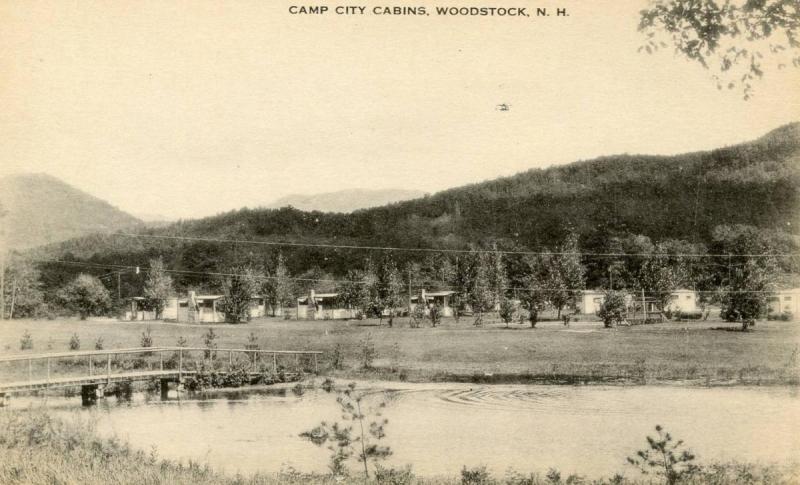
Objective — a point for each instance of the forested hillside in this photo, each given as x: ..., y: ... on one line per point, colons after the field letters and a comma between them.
x: 603, y: 201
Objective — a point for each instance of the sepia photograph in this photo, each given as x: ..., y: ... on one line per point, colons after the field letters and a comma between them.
x: 264, y: 242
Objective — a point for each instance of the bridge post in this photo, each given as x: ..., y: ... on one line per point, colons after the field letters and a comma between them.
x: 108, y: 369
x: 164, y: 389
x: 47, y: 383
x: 3, y: 399
x: 91, y: 366
x: 230, y: 358
x: 30, y: 370
x: 274, y: 363
x: 316, y: 369
x: 89, y: 394
x: 180, y: 365
x: 161, y: 360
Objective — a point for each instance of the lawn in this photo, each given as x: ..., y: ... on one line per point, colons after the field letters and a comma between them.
x: 697, y: 352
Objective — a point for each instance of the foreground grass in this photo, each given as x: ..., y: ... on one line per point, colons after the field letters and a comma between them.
x: 36, y: 448
x: 695, y: 352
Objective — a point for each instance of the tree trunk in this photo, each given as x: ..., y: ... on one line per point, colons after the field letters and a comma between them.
x: 559, y: 313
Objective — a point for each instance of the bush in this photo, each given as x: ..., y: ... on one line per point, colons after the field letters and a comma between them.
x: 210, y: 340
x: 236, y: 376
x: 698, y: 315
x: 476, y: 476
x: 75, y: 342
x: 367, y: 352
x: 785, y: 316
x: 337, y: 357
x: 393, y: 476
x: 26, y: 342
x: 146, y: 339
x: 98, y: 344
x: 613, y: 308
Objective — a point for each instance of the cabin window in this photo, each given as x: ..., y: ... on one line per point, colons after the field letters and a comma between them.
x: 787, y: 298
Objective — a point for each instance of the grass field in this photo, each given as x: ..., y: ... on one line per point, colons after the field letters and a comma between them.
x: 698, y: 352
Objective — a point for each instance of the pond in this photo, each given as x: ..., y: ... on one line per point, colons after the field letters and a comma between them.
x: 438, y: 428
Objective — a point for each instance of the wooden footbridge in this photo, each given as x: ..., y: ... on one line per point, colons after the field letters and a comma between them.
x: 95, y: 370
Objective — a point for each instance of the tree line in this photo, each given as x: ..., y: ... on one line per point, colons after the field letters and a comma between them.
x: 483, y: 279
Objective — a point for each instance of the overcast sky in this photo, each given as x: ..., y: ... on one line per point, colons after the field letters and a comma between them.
x: 189, y: 108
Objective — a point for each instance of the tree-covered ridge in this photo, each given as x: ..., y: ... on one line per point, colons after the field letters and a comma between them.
x: 603, y: 201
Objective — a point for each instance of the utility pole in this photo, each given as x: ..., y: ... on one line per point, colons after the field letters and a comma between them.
x: 119, y: 291
x: 644, y: 306
x: 2, y: 283
x: 409, y: 289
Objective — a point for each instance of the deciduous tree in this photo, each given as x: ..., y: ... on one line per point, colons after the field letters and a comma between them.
x: 734, y: 38
x: 85, y: 295
x: 238, y: 288
x: 157, y: 287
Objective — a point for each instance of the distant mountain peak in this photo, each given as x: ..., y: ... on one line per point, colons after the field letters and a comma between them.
x: 41, y: 209
x: 347, y: 200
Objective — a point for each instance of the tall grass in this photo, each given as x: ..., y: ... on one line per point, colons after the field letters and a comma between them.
x: 36, y: 448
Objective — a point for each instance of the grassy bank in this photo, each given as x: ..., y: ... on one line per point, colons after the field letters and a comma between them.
x: 696, y: 352
x: 36, y: 448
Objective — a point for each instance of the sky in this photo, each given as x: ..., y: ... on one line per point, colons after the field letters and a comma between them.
x: 189, y: 108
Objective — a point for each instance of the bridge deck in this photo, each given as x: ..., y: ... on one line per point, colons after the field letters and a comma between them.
x: 107, y: 377
x: 88, y: 380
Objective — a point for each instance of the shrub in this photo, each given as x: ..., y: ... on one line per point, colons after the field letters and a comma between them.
x: 337, y: 357
x: 475, y: 476
x: 435, y: 314
x: 210, y: 340
x: 367, y: 352
x: 98, y: 344
x: 236, y: 376
x: 393, y: 476
x: 252, y: 342
x: 665, y: 458
x: 75, y: 342
x: 147, y: 339
x: 613, y: 308
x: 507, y: 311
x: 785, y: 316
x: 26, y: 342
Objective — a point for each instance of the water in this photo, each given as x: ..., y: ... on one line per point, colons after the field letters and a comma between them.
x: 440, y: 427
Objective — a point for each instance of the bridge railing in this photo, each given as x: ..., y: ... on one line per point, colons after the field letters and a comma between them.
x: 100, y: 363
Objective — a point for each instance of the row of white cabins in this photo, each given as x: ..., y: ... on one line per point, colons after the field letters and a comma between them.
x: 324, y: 306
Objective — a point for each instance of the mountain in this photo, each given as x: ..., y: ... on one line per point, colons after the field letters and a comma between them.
x: 345, y: 200
x: 681, y: 197
x: 41, y: 209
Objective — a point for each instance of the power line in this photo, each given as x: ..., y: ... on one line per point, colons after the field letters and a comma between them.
x: 327, y: 280
x: 440, y: 250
